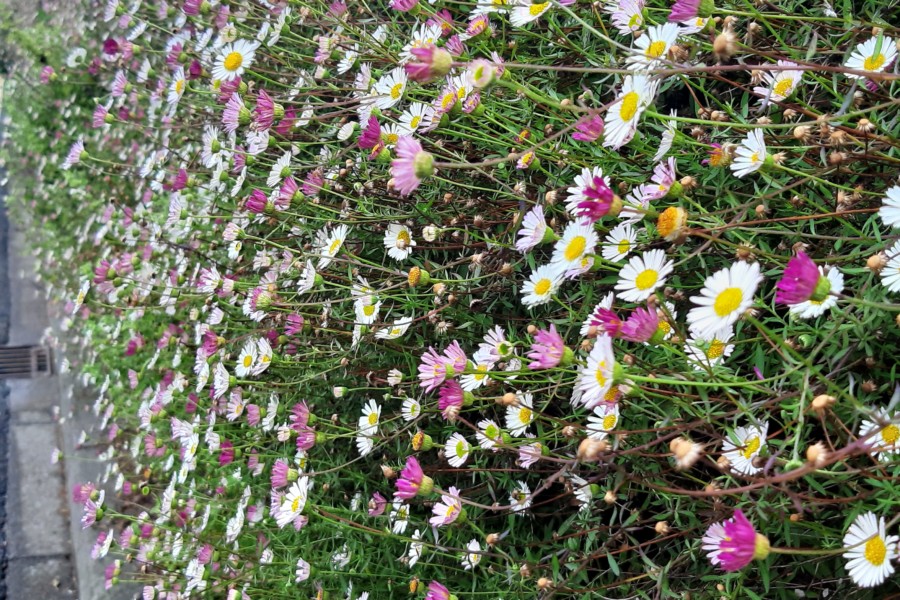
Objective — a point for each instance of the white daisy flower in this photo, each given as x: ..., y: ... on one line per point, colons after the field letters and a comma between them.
x: 331, y: 243
x: 176, y: 88
x: 302, y: 571
x: 411, y: 409
x: 483, y: 361
x: 603, y: 421
x: 885, y: 443
x: 368, y: 422
x: 751, y: 155
x: 668, y: 136
x: 652, y: 48
x: 235, y: 407
x: 489, y: 6
x: 366, y: 313
x: 642, y: 275
x: 743, y: 446
x: 542, y: 284
x: 779, y: 84
x: 348, y: 59
x: 810, y: 309
x: 488, y: 434
x: 583, y: 492
x: 890, y: 274
x: 415, y: 116
x: 619, y: 242
x: 471, y: 558
x: 890, y: 207
x: 520, y: 416
x: 533, y: 230
x: 294, y: 502
x: 874, y: 56
x: 578, y: 241
x: 520, y: 497
x: 597, y: 375
x: 396, y: 330
x: 233, y: 59
x: 398, y: 241
x: 527, y: 12
x: 364, y: 444
x: 708, y: 350
x: 627, y: 15
x: 246, y: 360
x: 456, y: 450
x: 399, y: 517
x: 415, y: 549
x: 280, y: 169
x: 389, y: 88
x: 623, y: 115
x: 869, y: 550
x: 726, y: 294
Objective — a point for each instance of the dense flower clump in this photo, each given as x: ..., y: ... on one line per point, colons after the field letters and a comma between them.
x: 479, y: 298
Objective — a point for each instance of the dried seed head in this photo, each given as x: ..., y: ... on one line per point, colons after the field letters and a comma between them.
x: 789, y: 114
x: 822, y: 401
x: 492, y: 539
x: 589, y: 450
x: 550, y: 197
x: 661, y: 527
x: 745, y: 253
x: 802, y: 133
x: 869, y: 386
x: 507, y: 399
x: 865, y: 126
x: 570, y: 431
x: 685, y: 452
x: 836, y: 158
x: 876, y: 262
x: 609, y: 497
x: 388, y: 472
x: 544, y: 584
x: 817, y: 454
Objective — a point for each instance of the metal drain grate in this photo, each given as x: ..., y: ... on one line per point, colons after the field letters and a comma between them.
x: 24, y: 362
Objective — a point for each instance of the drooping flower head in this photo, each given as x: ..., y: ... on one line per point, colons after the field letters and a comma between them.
x: 802, y: 281
x: 641, y: 325
x: 685, y: 10
x: 429, y: 62
x: 411, y: 166
x: 732, y: 544
x: 412, y: 481
x: 588, y: 129
x: 548, y: 349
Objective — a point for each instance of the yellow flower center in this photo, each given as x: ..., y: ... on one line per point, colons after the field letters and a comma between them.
x: 890, y: 434
x: 656, y: 49
x: 634, y: 21
x: 670, y: 220
x: 600, y: 374
x: 248, y: 360
x: 391, y: 138
x: 448, y: 100
x: 373, y: 418
x: 623, y: 246
x: 537, y: 9
x: 751, y: 447
x: 414, y: 122
x: 716, y: 349
x: 609, y: 421
x: 233, y: 61
x: 783, y: 87
x: 491, y: 432
x: 403, y: 238
x: 876, y: 551
x: 873, y: 63
x: 396, y: 91
x: 179, y: 86
x: 728, y: 301
x: 646, y: 279
x: 629, y: 106
x: 542, y: 287
x: 525, y: 415
x: 369, y: 310
x: 295, y: 505
x: 333, y: 248
x: 481, y: 372
x: 575, y: 248
x: 754, y: 158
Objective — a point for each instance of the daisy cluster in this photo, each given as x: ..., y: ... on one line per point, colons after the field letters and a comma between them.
x: 479, y: 297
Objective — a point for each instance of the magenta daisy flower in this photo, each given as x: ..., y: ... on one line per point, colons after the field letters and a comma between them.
x: 412, y: 481
x: 436, y: 591
x: 641, y: 326
x: 450, y: 399
x: 685, y: 10
x: 732, y: 544
x: 411, y: 166
x: 429, y: 62
x: 548, y: 350
x: 589, y: 129
x: 802, y: 281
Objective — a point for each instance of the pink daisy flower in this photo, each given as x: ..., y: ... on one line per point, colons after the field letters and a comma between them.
x: 801, y: 281
x: 732, y: 544
x: 548, y: 349
x: 412, y: 481
x: 411, y: 166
